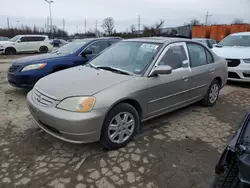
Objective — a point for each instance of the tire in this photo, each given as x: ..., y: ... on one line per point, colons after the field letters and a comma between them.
x: 208, y: 100
x: 228, y: 178
x: 10, y: 51
x: 119, y: 130
x: 43, y: 49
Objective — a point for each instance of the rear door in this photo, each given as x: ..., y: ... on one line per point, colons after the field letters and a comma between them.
x: 202, y: 69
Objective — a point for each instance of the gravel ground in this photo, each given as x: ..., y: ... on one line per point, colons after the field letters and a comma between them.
x: 177, y: 150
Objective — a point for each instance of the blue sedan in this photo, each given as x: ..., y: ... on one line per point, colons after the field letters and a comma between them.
x: 25, y: 72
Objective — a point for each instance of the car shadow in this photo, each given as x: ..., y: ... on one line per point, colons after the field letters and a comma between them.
x: 239, y: 84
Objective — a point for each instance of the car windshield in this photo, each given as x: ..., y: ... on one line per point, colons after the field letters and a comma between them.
x: 133, y: 57
x: 14, y: 39
x: 71, y: 47
x: 236, y: 40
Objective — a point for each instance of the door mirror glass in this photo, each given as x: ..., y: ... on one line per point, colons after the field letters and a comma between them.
x: 185, y: 64
x: 162, y: 69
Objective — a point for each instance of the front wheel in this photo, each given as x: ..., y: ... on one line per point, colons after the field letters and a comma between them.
x: 119, y: 126
x: 212, y: 94
x: 228, y: 178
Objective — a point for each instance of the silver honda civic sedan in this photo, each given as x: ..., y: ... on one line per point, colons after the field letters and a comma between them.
x: 130, y: 82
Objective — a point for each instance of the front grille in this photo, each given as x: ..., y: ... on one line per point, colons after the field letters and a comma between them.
x: 13, y: 68
x: 233, y: 75
x: 43, y: 98
x: 233, y: 62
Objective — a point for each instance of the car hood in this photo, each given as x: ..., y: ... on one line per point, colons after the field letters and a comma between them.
x: 6, y: 42
x: 79, y: 81
x: 232, y: 52
x: 38, y: 58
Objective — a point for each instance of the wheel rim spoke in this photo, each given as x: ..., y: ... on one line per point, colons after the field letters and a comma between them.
x: 121, y: 127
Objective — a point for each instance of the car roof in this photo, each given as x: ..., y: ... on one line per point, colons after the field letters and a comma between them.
x: 202, y: 39
x: 100, y: 38
x: 162, y: 40
x: 32, y: 35
x: 241, y: 33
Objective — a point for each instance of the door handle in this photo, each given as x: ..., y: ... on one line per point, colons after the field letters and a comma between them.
x: 185, y: 78
x: 212, y: 71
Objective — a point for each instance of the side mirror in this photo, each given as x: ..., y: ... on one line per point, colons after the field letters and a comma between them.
x: 87, y: 52
x: 185, y: 64
x: 214, y: 45
x: 18, y: 41
x: 162, y: 69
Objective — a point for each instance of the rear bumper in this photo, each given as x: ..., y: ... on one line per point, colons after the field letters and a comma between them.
x: 68, y: 126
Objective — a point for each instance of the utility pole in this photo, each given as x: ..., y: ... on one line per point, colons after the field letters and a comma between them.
x: 63, y: 26
x: 207, y: 17
x: 96, y: 27
x: 139, y: 25
x: 51, y: 25
x: 85, y: 25
x: 8, y: 22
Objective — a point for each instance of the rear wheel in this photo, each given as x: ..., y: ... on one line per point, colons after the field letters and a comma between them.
x: 228, y: 178
x: 43, y: 49
x: 119, y: 126
x: 10, y: 51
x: 212, y: 94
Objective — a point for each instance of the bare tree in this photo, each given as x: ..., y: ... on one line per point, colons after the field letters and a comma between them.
x: 237, y: 21
x: 195, y: 22
x: 108, y: 25
x: 132, y: 28
x: 155, y: 30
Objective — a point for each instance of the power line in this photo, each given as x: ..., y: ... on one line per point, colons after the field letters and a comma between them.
x: 207, y: 17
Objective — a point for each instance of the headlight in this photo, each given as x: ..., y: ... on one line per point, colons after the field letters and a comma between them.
x: 34, y: 66
x: 247, y: 60
x: 77, y: 104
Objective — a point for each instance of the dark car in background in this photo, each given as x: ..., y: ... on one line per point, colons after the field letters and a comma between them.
x: 25, y: 72
x: 58, y: 42
x: 208, y: 42
x: 233, y: 168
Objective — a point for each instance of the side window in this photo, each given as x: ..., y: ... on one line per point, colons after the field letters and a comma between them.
x: 98, y: 47
x: 32, y: 39
x: 111, y: 42
x: 197, y: 54
x: 210, y: 58
x: 24, y: 39
x: 39, y: 39
x: 174, y: 57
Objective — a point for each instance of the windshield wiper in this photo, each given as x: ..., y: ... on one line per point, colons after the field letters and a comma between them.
x: 113, y: 69
x: 90, y: 65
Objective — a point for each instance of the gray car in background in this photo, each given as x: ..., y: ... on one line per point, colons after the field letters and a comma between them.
x: 131, y: 82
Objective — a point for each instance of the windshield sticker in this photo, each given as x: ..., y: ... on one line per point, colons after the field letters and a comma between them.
x: 149, y: 46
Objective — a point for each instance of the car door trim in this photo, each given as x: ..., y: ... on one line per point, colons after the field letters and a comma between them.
x: 177, y: 104
x: 179, y: 93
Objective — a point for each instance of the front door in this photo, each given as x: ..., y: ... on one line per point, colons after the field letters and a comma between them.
x: 22, y: 45
x: 202, y: 67
x: 168, y: 92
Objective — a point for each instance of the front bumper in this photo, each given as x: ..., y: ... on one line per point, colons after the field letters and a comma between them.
x: 71, y: 127
x: 240, y: 73
x: 22, y: 80
x: 1, y: 51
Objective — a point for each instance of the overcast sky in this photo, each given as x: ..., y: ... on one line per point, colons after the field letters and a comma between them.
x: 124, y: 12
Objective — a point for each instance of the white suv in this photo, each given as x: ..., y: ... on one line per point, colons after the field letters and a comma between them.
x: 236, y: 49
x: 26, y: 43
